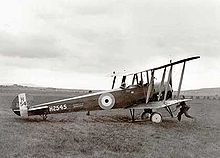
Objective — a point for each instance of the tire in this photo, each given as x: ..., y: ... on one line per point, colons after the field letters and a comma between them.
x: 156, y: 117
x: 146, y: 114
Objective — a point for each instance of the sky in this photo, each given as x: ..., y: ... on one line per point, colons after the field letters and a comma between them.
x: 78, y: 44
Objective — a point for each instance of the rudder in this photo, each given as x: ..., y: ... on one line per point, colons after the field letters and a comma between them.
x: 20, y: 106
x: 23, y: 104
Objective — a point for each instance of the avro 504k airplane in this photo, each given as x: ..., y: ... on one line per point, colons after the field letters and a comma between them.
x: 142, y: 94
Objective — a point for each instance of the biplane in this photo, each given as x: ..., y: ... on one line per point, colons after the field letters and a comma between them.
x: 143, y: 94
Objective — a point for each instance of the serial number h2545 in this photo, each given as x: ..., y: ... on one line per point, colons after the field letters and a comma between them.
x: 58, y: 107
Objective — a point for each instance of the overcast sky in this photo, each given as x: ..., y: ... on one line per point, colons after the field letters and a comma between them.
x: 78, y: 44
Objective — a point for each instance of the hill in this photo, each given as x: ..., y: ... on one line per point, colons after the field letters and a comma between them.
x: 40, y: 94
x: 59, y: 93
x: 202, y: 92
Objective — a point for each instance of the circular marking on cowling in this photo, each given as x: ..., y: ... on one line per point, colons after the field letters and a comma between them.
x: 106, y: 101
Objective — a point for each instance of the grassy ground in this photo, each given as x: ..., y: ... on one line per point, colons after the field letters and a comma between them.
x: 107, y: 133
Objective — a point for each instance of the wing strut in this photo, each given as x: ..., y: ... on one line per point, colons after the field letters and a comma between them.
x: 181, y: 80
x: 166, y: 90
x: 150, y: 87
x: 123, y: 79
x: 142, y: 81
x: 113, y: 84
x: 171, y: 79
x: 162, y: 83
x: 135, y: 77
x: 147, y: 77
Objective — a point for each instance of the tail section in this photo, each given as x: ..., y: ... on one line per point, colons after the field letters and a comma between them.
x: 20, y: 106
x: 23, y: 104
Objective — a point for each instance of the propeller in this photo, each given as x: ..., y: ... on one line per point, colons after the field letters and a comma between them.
x: 162, y: 83
x: 168, y: 82
x: 150, y: 87
x: 181, y: 80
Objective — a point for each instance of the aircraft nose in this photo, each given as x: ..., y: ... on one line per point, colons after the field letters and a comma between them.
x: 15, y: 106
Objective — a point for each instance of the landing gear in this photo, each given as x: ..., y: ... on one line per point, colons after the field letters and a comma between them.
x: 156, y: 117
x: 88, y: 113
x: 169, y: 111
x: 44, y: 116
x: 132, y: 114
x: 146, y: 114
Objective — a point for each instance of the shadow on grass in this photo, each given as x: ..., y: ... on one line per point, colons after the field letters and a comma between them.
x: 166, y: 123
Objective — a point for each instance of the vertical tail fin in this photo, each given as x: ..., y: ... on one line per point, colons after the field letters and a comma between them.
x: 23, y: 104
x: 20, y: 106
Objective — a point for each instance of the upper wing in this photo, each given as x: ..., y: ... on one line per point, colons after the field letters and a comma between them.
x: 158, y: 104
x: 167, y: 65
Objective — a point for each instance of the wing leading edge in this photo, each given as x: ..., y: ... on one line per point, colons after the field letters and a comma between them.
x: 166, y: 65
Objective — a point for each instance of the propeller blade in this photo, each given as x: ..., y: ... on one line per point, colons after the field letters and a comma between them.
x: 150, y: 87
x: 181, y: 80
x: 162, y: 83
x: 167, y: 85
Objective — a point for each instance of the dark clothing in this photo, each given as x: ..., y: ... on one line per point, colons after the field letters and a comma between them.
x: 183, y: 110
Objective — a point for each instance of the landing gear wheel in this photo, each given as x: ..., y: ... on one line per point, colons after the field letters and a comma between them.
x: 156, y: 117
x: 145, y: 115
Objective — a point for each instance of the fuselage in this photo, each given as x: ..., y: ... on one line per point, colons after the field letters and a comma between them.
x: 111, y: 99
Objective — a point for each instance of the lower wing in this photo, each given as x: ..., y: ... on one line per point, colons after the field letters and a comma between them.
x: 158, y: 104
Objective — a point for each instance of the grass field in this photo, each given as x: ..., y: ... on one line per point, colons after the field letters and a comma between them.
x: 106, y: 133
